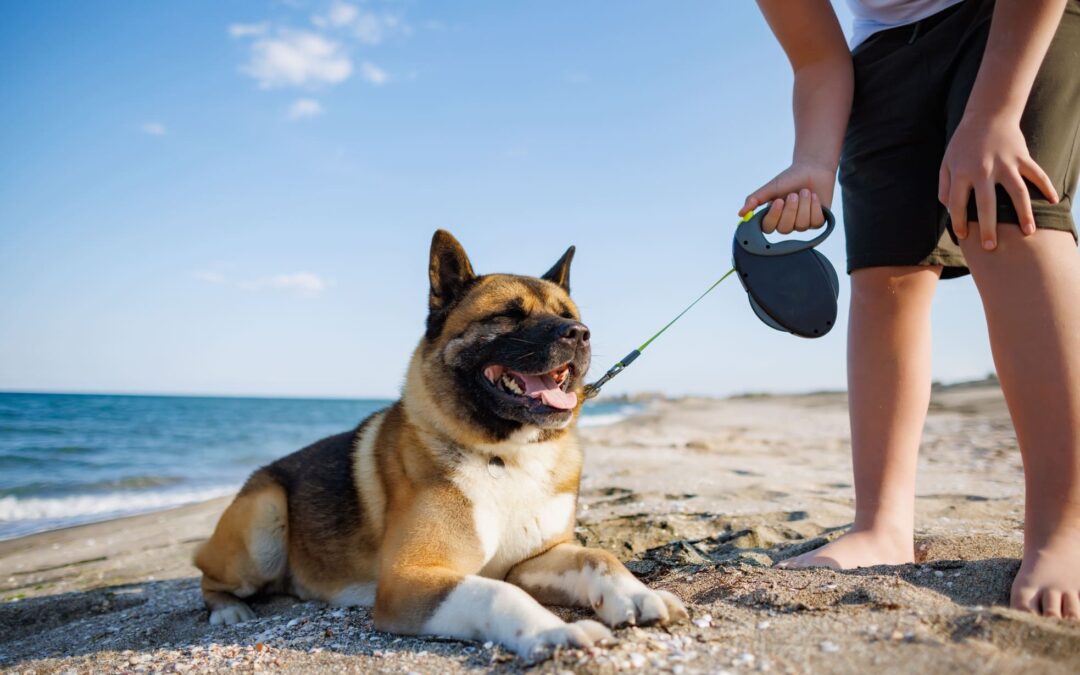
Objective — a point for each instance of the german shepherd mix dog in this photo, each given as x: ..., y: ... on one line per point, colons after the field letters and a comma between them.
x: 452, y: 511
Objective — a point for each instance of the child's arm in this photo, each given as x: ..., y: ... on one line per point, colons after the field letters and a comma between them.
x: 988, y: 147
x: 811, y: 37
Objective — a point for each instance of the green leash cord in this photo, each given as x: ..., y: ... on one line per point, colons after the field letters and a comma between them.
x: 592, y: 390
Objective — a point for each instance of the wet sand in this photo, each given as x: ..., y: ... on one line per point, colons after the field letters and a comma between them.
x: 699, y: 496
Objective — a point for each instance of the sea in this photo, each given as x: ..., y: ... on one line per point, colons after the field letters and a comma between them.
x: 69, y: 459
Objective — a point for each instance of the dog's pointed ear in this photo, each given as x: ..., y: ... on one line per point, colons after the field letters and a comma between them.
x: 449, y: 271
x: 560, y: 273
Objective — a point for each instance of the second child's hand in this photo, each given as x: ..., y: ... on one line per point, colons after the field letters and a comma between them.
x: 984, y: 153
x: 796, y: 196
x: 988, y: 147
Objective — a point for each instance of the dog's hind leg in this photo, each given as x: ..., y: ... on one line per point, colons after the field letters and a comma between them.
x: 247, y: 552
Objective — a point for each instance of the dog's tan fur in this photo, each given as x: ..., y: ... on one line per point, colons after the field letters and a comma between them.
x: 448, y: 526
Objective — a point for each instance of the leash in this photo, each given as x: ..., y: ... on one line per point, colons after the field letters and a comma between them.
x: 592, y: 390
x: 791, y: 287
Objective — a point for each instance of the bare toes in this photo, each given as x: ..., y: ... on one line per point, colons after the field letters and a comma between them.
x: 1025, y: 599
x: 1070, y: 605
x: 1051, y: 603
x: 807, y: 562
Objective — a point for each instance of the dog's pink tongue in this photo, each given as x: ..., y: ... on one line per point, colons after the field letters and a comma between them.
x: 545, y: 388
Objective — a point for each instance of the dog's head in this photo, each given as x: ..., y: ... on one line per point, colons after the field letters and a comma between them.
x: 502, y: 352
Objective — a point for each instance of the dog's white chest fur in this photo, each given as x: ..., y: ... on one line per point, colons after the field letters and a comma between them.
x: 515, y: 509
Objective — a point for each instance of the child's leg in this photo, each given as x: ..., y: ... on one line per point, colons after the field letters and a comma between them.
x: 1030, y: 289
x: 888, y: 391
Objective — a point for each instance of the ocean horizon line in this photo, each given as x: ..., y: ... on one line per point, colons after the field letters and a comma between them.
x: 167, y: 394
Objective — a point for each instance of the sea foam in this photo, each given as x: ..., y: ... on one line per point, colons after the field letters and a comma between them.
x: 24, y: 515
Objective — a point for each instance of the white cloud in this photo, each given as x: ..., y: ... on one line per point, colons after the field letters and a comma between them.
x: 208, y: 276
x: 303, y: 283
x: 321, y: 54
x: 239, y: 30
x: 153, y: 128
x: 300, y: 283
x: 342, y: 14
x: 305, y: 107
x: 368, y: 27
x: 373, y: 74
x: 298, y: 58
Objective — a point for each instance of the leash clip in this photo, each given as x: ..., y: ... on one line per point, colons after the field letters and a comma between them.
x: 593, y: 390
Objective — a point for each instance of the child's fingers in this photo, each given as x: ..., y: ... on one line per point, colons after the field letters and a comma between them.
x: 772, y: 218
x: 749, y: 205
x: 817, y: 216
x: 1033, y: 172
x: 986, y: 203
x: 787, y: 218
x: 758, y: 197
x: 1014, y: 185
x: 802, y: 216
x: 959, y: 193
x: 943, y: 187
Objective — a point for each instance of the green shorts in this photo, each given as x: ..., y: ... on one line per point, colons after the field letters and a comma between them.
x: 911, y: 86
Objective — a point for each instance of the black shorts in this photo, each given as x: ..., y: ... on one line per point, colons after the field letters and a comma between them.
x: 911, y: 86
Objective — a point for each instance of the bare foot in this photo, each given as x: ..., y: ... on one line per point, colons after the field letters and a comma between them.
x: 1048, y: 582
x: 857, y: 548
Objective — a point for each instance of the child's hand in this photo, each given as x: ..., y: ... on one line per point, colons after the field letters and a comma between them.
x: 985, y: 152
x: 797, y: 194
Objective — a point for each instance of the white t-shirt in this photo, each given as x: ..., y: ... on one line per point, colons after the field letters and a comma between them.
x: 872, y: 16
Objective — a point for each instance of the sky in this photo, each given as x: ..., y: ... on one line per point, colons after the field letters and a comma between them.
x: 237, y: 197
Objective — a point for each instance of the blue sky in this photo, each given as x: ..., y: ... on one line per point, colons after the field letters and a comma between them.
x: 237, y: 197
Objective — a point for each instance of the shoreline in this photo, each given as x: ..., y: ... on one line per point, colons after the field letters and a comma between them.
x: 116, y: 505
x: 699, y: 496
x: 32, y: 540
x: 640, y: 401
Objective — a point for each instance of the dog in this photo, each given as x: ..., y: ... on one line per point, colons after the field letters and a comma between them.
x: 452, y: 511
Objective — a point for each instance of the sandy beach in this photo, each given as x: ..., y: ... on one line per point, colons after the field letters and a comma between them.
x: 699, y: 496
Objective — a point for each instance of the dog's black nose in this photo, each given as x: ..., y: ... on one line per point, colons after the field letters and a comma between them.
x: 575, y: 332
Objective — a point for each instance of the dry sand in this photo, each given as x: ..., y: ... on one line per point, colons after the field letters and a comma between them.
x: 698, y: 496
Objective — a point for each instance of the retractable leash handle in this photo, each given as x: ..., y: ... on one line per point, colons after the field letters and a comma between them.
x: 750, y: 237
x: 791, y: 287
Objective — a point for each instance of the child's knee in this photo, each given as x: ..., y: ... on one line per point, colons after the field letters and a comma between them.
x: 885, y: 288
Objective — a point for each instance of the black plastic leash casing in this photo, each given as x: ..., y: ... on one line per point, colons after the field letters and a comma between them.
x: 791, y: 287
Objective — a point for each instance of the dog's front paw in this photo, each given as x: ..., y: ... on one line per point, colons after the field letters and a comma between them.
x: 621, y: 600
x: 229, y: 614
x: 580, y: 634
